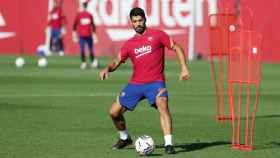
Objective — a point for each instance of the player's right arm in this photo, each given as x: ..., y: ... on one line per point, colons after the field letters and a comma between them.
x: 110, y: 68
x: 48, y: 23
x: 123, y: 55
x: 74, y: 33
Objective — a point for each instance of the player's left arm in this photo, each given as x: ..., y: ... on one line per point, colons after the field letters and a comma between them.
x: 184, y: 75
x: 64, y: 23
x: 93, y: 26
x: 74, y: 33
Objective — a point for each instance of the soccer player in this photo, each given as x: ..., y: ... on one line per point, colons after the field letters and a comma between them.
x: 56, y: 22
x: 146, y: 52
x: 84, y: 26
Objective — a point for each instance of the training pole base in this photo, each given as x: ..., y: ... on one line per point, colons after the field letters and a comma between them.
x: 242, y: 147
x: 223, y: 118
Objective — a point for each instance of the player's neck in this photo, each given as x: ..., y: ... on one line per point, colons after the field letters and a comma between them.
x: 83, y: 9
x: 141, y: 34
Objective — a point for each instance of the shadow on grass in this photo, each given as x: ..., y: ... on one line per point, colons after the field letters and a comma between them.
x: 267, y: 116
x: 276, y: 143
x: 196, y: 146
x: 261, y: 117
x: 269, y: 145
x: 186, y: 147
x: 131, y: 147
x: 151, y: 155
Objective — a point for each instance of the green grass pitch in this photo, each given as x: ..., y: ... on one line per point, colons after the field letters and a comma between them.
x: 62, y: 112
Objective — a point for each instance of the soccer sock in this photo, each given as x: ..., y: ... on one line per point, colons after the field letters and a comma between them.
x: 167, y: 139
x: 123, y: 134
x: 83, y: 57
x: 61, y: 44
x: 91, y: 56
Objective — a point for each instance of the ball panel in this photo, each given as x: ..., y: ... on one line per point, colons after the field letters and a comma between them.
x: 144, y: 145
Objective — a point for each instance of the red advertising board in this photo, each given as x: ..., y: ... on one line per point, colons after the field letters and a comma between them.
x: 23, y: 23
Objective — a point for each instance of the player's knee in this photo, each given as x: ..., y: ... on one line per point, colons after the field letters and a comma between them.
x: 162, y: 104
x: 161, y: 91
x: 113, y: 112
x: 161, y: 99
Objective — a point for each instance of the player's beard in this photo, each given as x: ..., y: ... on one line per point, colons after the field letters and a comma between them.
x: 140, y: 29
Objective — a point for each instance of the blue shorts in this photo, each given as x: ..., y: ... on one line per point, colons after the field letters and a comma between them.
x: 86, y: 41
x: 132, y: 94
x: 55, y: 33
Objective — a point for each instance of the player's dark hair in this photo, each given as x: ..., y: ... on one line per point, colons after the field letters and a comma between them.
x: 137, y: 12
x: 85, y: 4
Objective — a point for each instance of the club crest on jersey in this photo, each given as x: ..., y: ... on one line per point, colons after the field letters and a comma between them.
x: 150, y: 39
x: 85, y: 21
x: 54, y: 16
x: 142, y: 51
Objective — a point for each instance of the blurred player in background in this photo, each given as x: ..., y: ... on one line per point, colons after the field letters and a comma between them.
x: 84, y: 29
x: 237, y: 7
x: 56, y: 26
x: 229, y: 6
x: 146, y: 52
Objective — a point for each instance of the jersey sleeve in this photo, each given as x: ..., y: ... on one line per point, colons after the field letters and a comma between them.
x: 165, y: 40
x: 123, y: 55
x: 50, y: 17
x: 75, y: 24
x: 63, y: 19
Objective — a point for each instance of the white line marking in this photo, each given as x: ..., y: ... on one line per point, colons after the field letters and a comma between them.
x: 105, y: 94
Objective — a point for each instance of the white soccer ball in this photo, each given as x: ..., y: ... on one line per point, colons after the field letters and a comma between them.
x: 232, y: 28
x: 213, y: 21
x: 144, y: 145
x: 42, y: 51
x: 42, y: 62
x: 19, y: 62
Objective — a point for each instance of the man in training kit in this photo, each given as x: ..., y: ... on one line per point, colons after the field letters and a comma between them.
x: 56, y: 22
x: 84, y: 26
x: 146, y: 52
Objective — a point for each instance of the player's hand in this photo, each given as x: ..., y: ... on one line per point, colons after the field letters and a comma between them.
x: 185, y: 75
x: 47, y: 30
x: 95, y: 38
x: 63, y: 32
x: 104, y: 74
x: 74, y: 37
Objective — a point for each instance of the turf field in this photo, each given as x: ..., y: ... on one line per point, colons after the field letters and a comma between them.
x: 62, y: 112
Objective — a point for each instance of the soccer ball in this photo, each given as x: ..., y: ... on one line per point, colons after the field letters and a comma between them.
x: 232, y: 28
x: 19, y: 62
x: 42, y: 62
x: 42, y: 51
x: 144, y: 145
